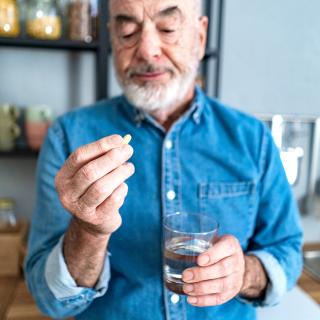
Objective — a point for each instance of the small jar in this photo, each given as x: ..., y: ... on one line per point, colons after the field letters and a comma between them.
x: 9, y: 18
x: 79, y: 12
x: 7, y: 215
x: 44, y: 20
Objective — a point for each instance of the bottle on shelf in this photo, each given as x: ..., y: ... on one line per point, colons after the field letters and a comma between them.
x: 9, y: 129
x: 94, y: 18
x: 44, y: 20
x: 9, y: 18
x: 7, y: 215
x: 79, y: 18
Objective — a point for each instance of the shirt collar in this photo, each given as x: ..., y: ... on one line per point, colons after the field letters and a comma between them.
x: 194, y: 112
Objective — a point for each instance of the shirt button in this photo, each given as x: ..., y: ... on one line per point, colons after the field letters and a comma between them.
x: 171, y: 195
x: 168, y: 144
x: 175, y: 298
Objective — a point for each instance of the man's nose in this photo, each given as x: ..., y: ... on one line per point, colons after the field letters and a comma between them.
x: 149, y: 46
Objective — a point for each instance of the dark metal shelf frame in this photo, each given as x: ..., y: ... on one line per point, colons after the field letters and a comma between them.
x: 19, y: 153
x: 65, y: 44
x: 216, y: 51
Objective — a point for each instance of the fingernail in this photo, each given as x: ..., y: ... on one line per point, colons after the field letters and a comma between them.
x: 125, y: 148
x: 130, y: 166
x: 187, y: 275
x: 203, y: 260
x: 192, y: 300
x: 188, y: 288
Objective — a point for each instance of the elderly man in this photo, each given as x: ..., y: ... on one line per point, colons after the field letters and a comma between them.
x: 87, y: 259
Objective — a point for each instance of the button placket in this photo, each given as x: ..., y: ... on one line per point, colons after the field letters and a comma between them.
x: 175, y: 304
x: 171, y: 201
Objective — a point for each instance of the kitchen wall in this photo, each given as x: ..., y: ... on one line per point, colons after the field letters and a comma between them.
x: 270, y: 64
x: 271, y: 56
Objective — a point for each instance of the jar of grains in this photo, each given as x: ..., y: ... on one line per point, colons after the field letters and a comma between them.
x: 9, y: 18
x: 44, y: 20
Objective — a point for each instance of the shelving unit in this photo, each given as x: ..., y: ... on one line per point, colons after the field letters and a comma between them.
x: 100, y: 47
x: 102, y: 50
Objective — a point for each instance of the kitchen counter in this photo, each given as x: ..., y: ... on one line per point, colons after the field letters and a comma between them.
x: 310, y: 285
x: 15, y: 301
x: 7, y: 290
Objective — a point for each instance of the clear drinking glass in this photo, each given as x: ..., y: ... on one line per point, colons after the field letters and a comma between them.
x: 186, y: 235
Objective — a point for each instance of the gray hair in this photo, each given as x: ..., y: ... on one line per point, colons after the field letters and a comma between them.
x: 198, y: 6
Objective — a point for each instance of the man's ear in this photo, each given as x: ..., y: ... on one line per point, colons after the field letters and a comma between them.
x: 203, y: 32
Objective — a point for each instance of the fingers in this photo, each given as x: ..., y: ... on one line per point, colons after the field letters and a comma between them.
x: 104, y: 187
x: 225, y: 247
x: 108, y: 211
x: 219, y: 278
x: 226, y: 284
x: 91, y: 172
x: 113, y: 203
x: 223, y: 268
x: 88, y: 153
x: 210, y: 300
x: 107, y: 219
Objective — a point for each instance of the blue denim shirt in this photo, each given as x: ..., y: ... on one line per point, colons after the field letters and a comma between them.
x: 213, y: 159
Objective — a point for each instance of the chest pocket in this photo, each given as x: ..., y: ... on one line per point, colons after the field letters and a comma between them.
x: 232, y: 204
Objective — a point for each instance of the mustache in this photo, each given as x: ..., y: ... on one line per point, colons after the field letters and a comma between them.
x: 148, y: 68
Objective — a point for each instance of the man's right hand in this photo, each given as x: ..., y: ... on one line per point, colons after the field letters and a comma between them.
x: 91, y: 184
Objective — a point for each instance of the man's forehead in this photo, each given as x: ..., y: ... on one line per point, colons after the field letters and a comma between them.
x: 149, y: 7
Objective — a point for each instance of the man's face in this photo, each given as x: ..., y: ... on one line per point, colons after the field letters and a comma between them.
x: 157, y: 46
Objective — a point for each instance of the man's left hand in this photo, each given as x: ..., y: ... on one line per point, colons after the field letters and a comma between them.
x: 219, y: 275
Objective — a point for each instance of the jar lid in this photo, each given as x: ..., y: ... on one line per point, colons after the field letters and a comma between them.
x: 6, y: 203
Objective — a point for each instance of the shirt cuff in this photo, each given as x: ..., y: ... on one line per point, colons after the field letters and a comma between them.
x: 277, y: 285
x: 60, y: 281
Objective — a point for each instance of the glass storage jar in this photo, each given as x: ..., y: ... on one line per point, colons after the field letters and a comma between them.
x: 44, y: 20
x: 9, y: 18
x: 7, y: 215
x: 79, y: 12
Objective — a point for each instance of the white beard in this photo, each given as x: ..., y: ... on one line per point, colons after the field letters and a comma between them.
x: 150, y: 97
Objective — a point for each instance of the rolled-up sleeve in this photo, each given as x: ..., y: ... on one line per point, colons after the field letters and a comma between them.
x: 277, y: 238
x: 60, y: 281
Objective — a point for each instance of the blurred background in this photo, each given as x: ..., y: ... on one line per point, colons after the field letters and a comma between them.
x: 262, y: 58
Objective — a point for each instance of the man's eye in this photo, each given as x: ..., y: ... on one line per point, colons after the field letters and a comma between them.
x: 168, y: 31
x: 128, y: 36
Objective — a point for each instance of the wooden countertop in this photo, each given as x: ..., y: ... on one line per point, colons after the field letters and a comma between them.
x: 310, y: 286
x: 15, y: 301
x: 306, y: 282
x: 7, y: 290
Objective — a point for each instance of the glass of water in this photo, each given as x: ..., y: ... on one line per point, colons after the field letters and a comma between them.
x: 185, y: 236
